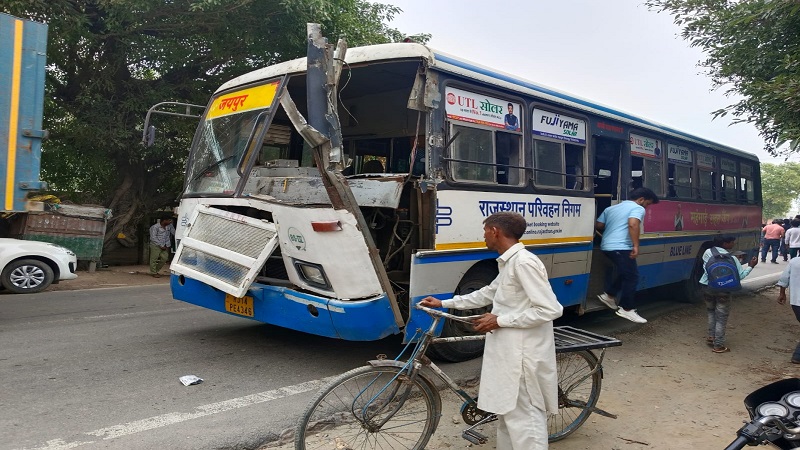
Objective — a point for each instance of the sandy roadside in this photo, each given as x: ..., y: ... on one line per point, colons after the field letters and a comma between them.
x: 114, y: 276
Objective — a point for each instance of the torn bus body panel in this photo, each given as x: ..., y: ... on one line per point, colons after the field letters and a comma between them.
x: 230, y: 251
x: 223, y: 249
x: 381, y: 192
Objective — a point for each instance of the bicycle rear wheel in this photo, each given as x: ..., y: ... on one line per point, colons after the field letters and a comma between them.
x: 368, y: 408
x: 577, y: 386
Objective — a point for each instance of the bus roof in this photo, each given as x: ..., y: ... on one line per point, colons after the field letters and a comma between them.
x: 457, y: 66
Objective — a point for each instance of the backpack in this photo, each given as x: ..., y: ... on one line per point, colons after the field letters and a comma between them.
x: 723, y: 275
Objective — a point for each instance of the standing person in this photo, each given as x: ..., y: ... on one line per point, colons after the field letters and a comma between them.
x: 787, y: 225
x: 718, y: 304
x: 160, y: 243
x: 519, y: 379
x: 791, y: 279
x: 620, y: 226
x: 773, y: 233
x: 792, y: 238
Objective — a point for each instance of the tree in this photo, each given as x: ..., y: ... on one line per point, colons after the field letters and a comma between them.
x: 752, y: 49
x: 780, y: 186
x: 110, y: 60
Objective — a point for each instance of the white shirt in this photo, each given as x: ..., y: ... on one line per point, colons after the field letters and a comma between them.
x: 792, y: 237
x: 160, y: 236
x: 791, y: 278
x: 525, y: 306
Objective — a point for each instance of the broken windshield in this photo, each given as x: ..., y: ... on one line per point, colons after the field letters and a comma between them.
x: 221, y: 142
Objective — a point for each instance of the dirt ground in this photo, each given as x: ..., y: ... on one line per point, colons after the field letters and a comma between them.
x: 667, y: 387
x: 114, y: 276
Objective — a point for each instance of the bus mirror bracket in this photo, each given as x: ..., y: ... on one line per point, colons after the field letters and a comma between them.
x: 168, y: 109
x: 150, y: 138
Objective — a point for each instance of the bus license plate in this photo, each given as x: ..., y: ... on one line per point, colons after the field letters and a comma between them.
x: 242, y: 306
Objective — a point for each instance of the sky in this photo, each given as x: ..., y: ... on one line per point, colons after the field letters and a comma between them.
x: 614, y: 52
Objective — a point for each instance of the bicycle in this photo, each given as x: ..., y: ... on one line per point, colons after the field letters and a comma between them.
x: 393, y: 404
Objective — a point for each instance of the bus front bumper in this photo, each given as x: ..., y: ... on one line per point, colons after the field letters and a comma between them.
x: 362, y: 320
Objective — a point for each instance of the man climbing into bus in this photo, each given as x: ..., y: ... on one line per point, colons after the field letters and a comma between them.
x: 519, y: 380
x: 620, y: 225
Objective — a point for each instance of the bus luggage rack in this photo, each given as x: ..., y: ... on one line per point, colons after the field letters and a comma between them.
x: 569, y: 339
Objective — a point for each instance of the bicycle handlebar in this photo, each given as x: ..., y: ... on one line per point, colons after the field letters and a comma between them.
x: 435, y: 312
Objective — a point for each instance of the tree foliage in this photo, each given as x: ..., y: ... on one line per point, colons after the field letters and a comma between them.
x: 110, y: 60
x: 780, y: 186
x: 752, y: 49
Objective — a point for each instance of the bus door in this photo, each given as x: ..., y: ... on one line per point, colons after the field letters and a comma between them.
x: 607, y: 192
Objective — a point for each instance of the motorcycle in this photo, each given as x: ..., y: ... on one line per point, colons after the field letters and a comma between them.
x: 774, y: 417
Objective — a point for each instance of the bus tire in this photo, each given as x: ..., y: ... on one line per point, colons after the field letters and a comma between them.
x: 477, y: 277
x: 687, y: 291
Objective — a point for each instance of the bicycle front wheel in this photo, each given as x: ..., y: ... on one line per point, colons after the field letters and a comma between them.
x: 369, y: 408
x: 578, y: 391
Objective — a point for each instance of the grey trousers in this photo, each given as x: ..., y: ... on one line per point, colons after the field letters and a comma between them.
x: 718, y: 307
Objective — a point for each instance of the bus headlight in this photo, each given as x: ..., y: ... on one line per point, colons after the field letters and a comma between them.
x: 312, y: 274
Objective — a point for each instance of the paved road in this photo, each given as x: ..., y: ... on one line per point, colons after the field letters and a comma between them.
x: 100, y: 368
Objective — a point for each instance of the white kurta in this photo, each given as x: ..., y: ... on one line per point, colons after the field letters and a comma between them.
x: 525, y: 306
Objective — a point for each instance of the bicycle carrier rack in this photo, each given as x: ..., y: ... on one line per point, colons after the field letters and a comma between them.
x: 571, y: 339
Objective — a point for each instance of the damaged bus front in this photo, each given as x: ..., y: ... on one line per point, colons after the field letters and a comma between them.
x: 273, y: 227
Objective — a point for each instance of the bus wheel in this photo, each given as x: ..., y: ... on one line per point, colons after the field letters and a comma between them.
x: 475, y: 278
x: 687, y: 291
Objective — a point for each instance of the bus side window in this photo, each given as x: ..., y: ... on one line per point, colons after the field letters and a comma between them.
x: 646, y: 172
x: 637, y: 172
x: 548, y: 158
x: 705, y: 188
x: 486, y: 156
x: 680, y: 180
x: 508, y: 154
x: 476, y: 146
x: 573, y: 162
x: 728, y: 188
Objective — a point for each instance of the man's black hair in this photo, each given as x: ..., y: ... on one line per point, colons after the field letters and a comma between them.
x: 509, y: 223
x: 719, y: 240
x: 643, y: 192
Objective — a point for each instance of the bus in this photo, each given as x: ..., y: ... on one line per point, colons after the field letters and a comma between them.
x: 431, y: 145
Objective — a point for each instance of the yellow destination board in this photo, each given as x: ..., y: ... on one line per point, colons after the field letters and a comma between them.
x: 258, y: 97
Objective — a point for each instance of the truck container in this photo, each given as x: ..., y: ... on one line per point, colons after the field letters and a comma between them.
x: 23, y: 45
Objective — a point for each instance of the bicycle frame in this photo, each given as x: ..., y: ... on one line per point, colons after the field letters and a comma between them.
x: 568, y: 339
x: 429, y: 338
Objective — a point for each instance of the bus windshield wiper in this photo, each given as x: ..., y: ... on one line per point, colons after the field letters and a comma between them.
x: 209, y: 167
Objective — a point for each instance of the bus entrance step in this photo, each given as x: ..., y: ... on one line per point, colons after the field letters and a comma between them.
x: 594, y: 304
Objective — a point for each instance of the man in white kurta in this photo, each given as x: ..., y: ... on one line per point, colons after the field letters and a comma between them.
x: 519, y: 380
x: 791, y: 279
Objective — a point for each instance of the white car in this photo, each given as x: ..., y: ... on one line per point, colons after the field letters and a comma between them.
x: 31, y: 266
